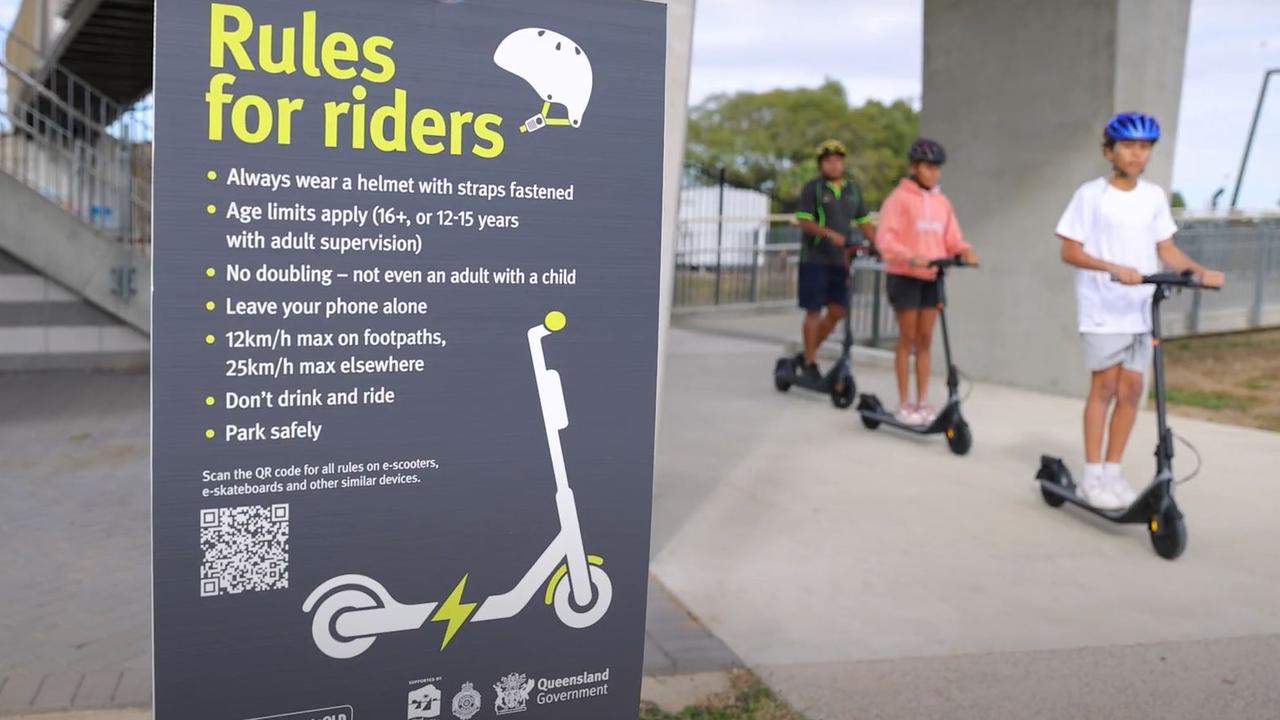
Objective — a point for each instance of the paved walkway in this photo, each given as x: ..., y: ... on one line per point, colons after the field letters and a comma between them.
x: 871, y: 575
x: 74, y: 565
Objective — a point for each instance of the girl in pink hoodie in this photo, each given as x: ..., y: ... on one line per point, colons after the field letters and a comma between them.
x: 917, y: 224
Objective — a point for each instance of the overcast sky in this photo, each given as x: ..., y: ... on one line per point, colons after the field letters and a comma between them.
x: 1230, y: 43
x: 751, y: 44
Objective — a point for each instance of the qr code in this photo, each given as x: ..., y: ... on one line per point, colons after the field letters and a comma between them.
x: 245, y: 549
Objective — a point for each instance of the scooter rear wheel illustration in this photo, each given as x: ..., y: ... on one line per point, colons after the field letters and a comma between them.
x: 324, y: 623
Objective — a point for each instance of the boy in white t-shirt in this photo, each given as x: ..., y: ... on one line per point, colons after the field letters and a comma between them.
x: 1114, y: 231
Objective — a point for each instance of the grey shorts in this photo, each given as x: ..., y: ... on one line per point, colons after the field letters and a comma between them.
x: 1104, y: 350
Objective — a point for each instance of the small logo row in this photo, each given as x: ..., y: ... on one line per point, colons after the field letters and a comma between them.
x: 511, y: 694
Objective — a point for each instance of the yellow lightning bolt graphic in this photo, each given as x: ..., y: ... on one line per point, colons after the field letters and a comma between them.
x: 453, y: 611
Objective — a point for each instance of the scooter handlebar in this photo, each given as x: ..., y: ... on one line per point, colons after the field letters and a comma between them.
x: 949, y: 262
x: 1186, y: 278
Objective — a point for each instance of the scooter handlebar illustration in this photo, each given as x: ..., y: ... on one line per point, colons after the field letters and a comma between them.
x: 350, y: 611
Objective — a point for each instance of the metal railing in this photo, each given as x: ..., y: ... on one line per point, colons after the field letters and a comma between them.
x: 74, y: 146
x: 737, y: 260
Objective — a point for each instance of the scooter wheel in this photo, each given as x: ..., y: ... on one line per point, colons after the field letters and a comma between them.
x: 959, y: 438
x: 1168, y: 533
x: 1051, y: 499
x: 779, y: 368
x: 601, y: 595
x: 843, y: 397
x: 870, y: 424
x: 325, y: 634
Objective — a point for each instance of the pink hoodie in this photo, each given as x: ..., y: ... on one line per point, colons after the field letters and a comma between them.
x: 917, y: 222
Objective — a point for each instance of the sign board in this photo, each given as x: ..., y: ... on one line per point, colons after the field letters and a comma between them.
x: 405, y: 321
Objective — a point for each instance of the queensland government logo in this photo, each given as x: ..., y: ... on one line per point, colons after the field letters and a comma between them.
x: 467, y: 702
x: 513, y: 694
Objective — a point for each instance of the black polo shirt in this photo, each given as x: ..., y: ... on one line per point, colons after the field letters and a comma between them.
x: 831, y: 205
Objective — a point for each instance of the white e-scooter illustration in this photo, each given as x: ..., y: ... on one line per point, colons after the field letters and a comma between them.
x: 351, y: 611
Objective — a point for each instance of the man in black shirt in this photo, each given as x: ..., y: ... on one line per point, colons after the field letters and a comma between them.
x: 828, y: 207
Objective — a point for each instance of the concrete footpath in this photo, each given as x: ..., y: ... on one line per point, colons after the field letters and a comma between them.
x: 866, y: 574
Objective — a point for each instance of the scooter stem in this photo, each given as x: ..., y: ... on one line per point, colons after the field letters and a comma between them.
x: 555, y: 417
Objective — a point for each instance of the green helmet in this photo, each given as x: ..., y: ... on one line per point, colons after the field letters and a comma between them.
x: 831, y: 147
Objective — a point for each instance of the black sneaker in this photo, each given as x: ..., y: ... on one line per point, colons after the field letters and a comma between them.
x: 812, y: 373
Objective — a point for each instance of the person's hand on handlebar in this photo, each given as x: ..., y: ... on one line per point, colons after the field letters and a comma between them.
x: 969, y: 257
x: 919, y: 261
x: 1212, y: 278
x: 1126, y: 275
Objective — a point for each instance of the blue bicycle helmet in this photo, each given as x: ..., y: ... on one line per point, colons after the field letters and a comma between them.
x: 1132, y: 126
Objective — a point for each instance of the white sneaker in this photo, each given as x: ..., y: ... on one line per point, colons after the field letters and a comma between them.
x: 1117, y: 485
x: 907, y: 415
x: 926, y: 414
x: 1094, y: 490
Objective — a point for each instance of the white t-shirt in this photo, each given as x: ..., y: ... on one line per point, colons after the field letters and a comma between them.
x: 1121, y: 227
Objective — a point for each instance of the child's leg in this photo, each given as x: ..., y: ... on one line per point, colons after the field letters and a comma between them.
x: 908, y: 323
x: 812, y: 321
x: 835, y: 313
x: 1128, y: 394
x: 924, y: 345
x: 1103, y: 388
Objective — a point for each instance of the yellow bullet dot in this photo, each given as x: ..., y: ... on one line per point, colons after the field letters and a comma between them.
x: 209, y: 434
x: 209, y: 306
x: 209, y: 400
x: 211, y: 175
x: 208, y: 339
x: 210, y: 209
x: 210, y: 272
x: 554, y: 321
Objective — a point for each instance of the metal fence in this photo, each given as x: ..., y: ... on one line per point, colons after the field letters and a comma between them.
x: 731, y: 250
x: 71, y: 144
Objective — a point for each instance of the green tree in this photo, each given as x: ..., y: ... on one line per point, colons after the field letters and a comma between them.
x: 1177, y: 201
x: 766, y: 140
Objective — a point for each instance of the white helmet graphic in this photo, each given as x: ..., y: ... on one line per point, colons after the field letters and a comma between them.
x: 556, y: 68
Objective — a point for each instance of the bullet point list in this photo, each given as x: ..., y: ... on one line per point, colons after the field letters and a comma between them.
x: 209, y: 339
x: 210, y: 209
x: 209, y: 306
x: 210, y: 272
x: 209, y: 400
x: 209, y: 434
x: 211, y: 175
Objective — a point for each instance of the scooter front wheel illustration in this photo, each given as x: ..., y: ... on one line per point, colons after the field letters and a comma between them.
x: 324, y: 623
x: 601, y: 594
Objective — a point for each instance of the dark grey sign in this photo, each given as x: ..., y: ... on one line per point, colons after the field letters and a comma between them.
x: 404, y: 356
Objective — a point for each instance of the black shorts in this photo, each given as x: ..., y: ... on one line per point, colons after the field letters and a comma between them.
x: 909, y: 293
x: 822, y: 285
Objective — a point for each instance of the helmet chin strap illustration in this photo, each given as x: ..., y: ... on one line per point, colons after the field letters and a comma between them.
x: 555, y: 67
x: 542, y: 119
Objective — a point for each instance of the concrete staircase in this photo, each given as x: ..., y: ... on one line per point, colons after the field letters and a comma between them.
x: 44, y: 326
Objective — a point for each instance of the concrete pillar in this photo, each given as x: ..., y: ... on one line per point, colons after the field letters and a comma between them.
x: 1018, y: 91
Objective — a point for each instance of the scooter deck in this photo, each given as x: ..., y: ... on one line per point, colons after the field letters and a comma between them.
x: 869, y: 407
x: 1053, y: 471
x: 826, y: 385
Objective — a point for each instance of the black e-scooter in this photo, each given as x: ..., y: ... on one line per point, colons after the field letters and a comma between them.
x: 949, y: 420
x: 1155, y: 506
x: 838, y: 382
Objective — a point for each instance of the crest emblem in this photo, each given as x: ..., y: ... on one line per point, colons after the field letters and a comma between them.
x: 513, y: 694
